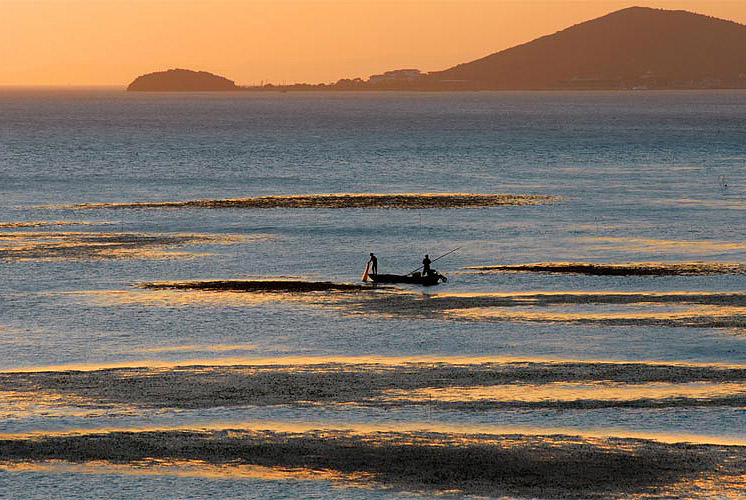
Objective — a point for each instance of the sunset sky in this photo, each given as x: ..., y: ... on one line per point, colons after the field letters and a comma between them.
x: 110, y: 42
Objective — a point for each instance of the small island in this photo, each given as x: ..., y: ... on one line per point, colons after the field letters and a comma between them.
x: 631, y: 49
x: 181, y: 80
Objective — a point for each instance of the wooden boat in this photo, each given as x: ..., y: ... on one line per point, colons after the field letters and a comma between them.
x: 430, y: 279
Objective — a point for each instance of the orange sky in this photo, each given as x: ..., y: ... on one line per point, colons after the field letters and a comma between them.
x: 109, y: 42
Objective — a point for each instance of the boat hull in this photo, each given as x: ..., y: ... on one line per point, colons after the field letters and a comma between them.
x: 430, y: 280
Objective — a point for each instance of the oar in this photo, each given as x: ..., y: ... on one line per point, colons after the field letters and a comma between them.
x: 447, y: 253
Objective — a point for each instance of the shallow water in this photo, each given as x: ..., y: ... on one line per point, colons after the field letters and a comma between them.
x: 641, y: 177
x: 67, y: 482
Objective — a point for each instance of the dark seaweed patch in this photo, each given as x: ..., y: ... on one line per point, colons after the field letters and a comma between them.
x: 399, y: 201
x: 256, y: 286
x: 526, y: 466
x: 369, y: 384
x: 627, y: 269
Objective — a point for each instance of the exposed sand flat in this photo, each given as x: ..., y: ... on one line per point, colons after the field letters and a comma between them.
x: 288, y: 286
x: 555, y: 466
x: 346, y: 200
x: 579, y: 385
x: 90, y: 245
x: 621, y: 269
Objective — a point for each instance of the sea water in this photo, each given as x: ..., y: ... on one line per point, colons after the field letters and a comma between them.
x: 640, y: 176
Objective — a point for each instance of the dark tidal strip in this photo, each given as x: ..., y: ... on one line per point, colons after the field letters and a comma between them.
x: 625, y: 269
x: 399, y: 201
x: 289, y: 286
x: 691, y: 310
x: 367, y: 384
x: 423, y: 304
x: 529, y: 466
x: 699, y: 310
x: 440, y: 302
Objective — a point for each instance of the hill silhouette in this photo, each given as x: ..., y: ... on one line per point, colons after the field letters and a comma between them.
x: 637, y: 47
x: 181, y: 80
x: 633, y: 47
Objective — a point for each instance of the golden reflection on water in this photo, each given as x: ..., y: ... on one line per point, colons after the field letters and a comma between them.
x: 45, y: 246
x: 729, y: 204
x: 25, y: 404
x: 563, y: 391
x: 199, y: 348
x: 714, y: 314
x: 221, y: 298
x: 708, y: 485
x: 182, y: 298
x: 351, y: 360
x: 186, y: 469
x: 666, y: 309
x: 463, y: 433
x: 648, y: 245
x: 16, y: 225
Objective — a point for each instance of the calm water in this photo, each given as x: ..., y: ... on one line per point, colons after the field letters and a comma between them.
x: 643, y: 176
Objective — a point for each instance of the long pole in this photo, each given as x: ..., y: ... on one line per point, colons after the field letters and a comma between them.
x: 447, y: 253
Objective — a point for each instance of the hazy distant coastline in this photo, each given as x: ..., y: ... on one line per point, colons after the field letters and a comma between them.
x: 636, y: 48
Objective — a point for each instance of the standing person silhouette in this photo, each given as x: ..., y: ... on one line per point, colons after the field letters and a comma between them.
x: 426, y: 266
x: 373, y: 264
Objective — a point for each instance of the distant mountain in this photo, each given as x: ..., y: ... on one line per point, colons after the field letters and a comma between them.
x: 181, y: 80
x: 634, y: 47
